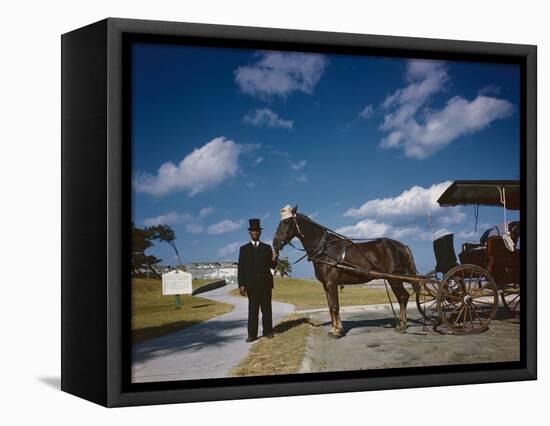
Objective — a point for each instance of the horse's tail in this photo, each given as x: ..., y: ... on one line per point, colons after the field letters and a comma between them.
x: 411, y: 265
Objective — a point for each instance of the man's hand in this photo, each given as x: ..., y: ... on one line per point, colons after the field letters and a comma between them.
x: 274, y: 254
x: 242, y: 290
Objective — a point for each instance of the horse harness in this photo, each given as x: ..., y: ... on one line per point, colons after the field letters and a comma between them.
x: 338, y: 261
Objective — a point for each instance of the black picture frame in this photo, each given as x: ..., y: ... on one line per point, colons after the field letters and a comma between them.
x: 96, y: 190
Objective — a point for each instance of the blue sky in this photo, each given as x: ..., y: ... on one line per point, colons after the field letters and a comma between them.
x: 364, y: 145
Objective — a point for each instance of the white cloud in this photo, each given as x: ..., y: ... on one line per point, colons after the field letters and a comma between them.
x: 366, y: 112
x: 259, y: 160
x: 206, y: 211
x: 452, y: 216
x: 404, y: 232
x: 194, y: 228
x: 280, y: 74
x: 491, y: 89
x: 250, y: 148
x: 266, y: 118
x: 228, y: 249
x: 301, y: 178
x: 224, y: 227
x: 429, y: 236
x: 405, y: 216
x: 371, y: 228
x: 366, y: 228
x: 419, y: 131
x: 299, y: 165
x: 171, y: 218
x: 425, y: 78
x: 281, y: 153
x: 415, y: 201
x: 466, y: 234
x: 202, y: 169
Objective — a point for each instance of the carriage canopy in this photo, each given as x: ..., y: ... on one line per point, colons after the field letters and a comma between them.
x: 482, y: 192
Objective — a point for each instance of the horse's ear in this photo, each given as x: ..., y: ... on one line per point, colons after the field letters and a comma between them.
x: 295, y: 209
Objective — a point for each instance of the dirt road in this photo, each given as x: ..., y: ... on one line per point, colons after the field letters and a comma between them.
x: 370, y: 343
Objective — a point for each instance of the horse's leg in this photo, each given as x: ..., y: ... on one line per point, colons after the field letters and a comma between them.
x: 402, y: 297
x: 334, y: 307
x: 330, y: 310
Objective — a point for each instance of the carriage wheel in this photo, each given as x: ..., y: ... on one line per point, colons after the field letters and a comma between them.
x: 468, y: 299
x: 510, y: 299
x: 426, y: 302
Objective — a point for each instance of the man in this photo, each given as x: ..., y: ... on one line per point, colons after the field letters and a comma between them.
x: 256, y: 281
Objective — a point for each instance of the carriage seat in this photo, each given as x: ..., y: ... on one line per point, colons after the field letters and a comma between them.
x: 471, y: 246
x: 445, y: 255
x: 476, y: 253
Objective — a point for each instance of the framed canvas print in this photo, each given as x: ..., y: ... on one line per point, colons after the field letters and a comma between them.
x: 252, y: 212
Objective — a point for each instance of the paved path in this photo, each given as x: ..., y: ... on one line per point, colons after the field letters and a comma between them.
x: 206, y: 350
x: 371, y: 343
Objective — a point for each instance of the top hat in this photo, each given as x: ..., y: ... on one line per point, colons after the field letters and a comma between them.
x: 254, y: 225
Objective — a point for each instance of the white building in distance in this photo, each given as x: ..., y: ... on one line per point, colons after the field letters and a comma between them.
x: 214, y: 271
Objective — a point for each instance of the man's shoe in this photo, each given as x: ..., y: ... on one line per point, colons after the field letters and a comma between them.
x: 268, y: 335
x: 250, y: 339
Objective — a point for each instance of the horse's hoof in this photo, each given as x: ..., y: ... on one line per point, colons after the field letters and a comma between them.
x: 333, y: 335
x: 400, y: 330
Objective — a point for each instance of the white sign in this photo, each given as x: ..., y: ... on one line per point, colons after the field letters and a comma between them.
x: 176, y: 282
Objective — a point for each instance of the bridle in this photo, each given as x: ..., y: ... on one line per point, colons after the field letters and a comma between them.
x: 317, y: 251
x: 287, y: 240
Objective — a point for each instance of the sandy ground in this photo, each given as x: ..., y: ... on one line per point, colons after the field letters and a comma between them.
x: 371, y: 343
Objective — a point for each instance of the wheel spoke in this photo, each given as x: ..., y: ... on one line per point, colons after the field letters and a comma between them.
x: 514, y: 298
x: 474, y: 311
x: 483, y: 302
x: 481, y: 312
x: 458, y: 315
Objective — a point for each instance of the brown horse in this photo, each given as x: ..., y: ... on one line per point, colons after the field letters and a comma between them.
x: 327, y: 249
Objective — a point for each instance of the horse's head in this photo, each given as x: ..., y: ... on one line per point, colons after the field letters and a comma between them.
x: 287, y: 228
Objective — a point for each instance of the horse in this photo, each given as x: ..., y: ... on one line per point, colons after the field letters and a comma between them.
x: 336, y: 259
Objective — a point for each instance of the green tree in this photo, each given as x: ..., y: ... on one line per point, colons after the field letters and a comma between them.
x: 284, y: 268
x: 141, y: 241
x: 165, y: 234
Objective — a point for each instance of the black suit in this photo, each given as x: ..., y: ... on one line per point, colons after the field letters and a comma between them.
x: 255, y: 276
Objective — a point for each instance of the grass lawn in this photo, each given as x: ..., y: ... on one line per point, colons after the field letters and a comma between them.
x: 154, y: 314
x: 281, y: 355
x: 306, y: 294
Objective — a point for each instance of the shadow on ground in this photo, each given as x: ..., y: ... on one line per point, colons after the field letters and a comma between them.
x: 215, y: 333
x: 54, y: 382
x: 285, y: 326
x: 389, y: 322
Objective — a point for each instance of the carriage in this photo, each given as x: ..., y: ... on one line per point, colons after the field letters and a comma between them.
x: 460, y: 295
x: 466, y: 297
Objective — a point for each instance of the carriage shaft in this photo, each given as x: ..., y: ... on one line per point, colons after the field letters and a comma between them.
x: 421, y: 279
